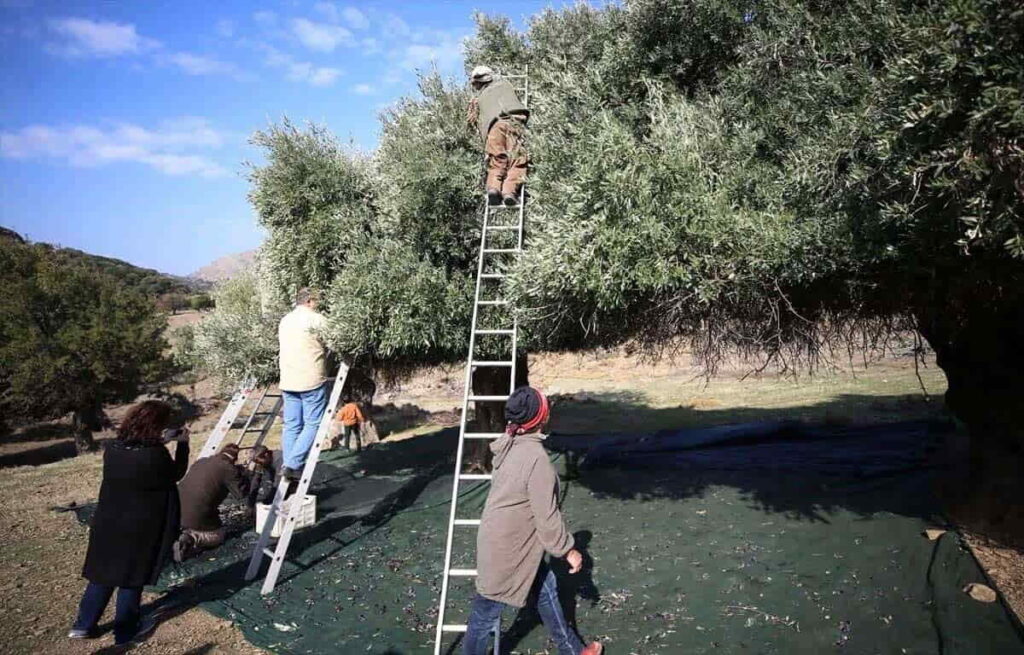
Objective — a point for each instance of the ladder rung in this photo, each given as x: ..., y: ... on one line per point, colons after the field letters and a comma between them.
x: 462, y: 573
x: 502, y: 227
x: 499, y: 250
x: 467, y: 521
x: 475, y: 476
x: 486, y: 399
x: 493, y: 207
x: 252, y: 430
x: 493, y: 276
x: 483, y: 435
x: 454, y: 627
x: 269, y: 553
x: 492, y: 302
x: 495, y: 331
x: 487, y: 363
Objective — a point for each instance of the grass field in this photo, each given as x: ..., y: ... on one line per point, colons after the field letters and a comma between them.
x: 44, y: 545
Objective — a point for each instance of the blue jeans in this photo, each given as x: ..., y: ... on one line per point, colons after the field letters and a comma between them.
x: 302, y: 413
x: 126, y: 617
x: 485, y: 613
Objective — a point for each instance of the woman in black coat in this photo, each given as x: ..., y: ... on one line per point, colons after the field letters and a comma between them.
x: 136, y: 521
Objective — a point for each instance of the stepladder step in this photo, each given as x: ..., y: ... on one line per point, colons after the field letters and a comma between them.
x: 462, y: 573
x: 491, y: 363
x: 454, y: 627
x: 488, y: 399
x: 475, y: 476
x: 483, y: 435
x: 467, y: 522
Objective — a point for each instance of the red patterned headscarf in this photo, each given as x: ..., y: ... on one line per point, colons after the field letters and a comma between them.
x: 526, y: 410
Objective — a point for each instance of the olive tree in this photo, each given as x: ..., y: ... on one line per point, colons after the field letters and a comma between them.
x: 72, y: 339
x: 782, y: 179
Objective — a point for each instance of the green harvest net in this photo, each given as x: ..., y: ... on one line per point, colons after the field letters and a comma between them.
x: 742, y: 540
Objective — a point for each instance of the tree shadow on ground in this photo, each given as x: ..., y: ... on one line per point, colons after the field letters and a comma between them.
x: 51, y: 452
x: 799, y: 492
x: 802, y: 462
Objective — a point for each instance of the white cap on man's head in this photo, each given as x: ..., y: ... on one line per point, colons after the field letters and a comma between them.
x: 482, y: 74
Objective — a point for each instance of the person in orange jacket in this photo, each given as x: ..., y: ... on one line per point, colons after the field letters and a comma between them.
x: 352, y: 421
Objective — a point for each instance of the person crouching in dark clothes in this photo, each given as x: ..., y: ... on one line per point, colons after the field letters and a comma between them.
x: 521, y: 521
x: 135, y: 523
x: 267, y: 465
x: 203, y: 489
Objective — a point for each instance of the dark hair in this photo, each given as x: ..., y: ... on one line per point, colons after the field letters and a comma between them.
x: 145, y: 423
x: 263, y: 456
x: 305, y: 294
x: 230, y: 450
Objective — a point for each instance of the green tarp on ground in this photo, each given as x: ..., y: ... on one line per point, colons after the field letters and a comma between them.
x: 683, y: 559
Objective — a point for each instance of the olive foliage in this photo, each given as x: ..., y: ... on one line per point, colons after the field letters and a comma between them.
x: 781, y: 178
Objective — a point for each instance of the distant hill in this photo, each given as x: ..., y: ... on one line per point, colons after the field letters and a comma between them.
x: 225, y: 268
x: 147, y: 280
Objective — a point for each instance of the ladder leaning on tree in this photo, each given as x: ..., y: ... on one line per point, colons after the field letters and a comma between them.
x: 289, y: 507
x: 281, y: 506
x: 229, y: 417
x: 486, y: 274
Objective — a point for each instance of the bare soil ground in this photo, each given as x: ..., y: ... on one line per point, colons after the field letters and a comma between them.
x: 43, y: 544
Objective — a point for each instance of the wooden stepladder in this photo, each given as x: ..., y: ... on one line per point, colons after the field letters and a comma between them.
x: 489, y: 272
x: 258, y: 422
x: 290, y: 506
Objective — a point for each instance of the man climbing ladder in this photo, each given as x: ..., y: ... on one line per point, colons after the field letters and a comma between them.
x: 500, y: 240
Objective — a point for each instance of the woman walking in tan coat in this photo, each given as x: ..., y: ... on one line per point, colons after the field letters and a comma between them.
x: 521, y: 521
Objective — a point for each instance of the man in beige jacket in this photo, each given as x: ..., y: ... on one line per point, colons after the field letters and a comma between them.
x: 521, y: 521
x: 303, y: 380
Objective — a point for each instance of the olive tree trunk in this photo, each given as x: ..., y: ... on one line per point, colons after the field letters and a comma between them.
x: 490, y: 417
x: 83, y: 423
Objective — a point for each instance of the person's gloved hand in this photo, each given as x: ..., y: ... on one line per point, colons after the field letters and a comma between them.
x: 575, y: 560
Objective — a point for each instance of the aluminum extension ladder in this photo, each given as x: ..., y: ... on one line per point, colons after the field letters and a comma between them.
x: 230, y: 415
x: 290, y: 508
x: 484, y: 275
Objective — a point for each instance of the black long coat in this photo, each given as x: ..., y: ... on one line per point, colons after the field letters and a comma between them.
x: 138, y: 515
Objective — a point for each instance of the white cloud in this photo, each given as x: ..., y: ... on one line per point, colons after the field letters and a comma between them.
x: 445, y: 53
x: 328, y: 10
x: 199, y: 65
x: 225, y: 28
x: 363, y: 90
x: 265, y: 18
x: 82, y: 37
x: 301, y: 71
x: 320, y: 36
x: 323, y: 76
x: 356, y: 19
x: 370, y: 46
x: 396, y: 28
x: 163, y: 148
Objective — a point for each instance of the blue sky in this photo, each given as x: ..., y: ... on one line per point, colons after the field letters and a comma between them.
x: 124, y: 125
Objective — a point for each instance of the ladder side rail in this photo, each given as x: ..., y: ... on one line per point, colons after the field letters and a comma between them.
x: 227, y: 418
x: 462, y: 431
x: 312, y: 459
x: 255, y: 411
x: 268, y: 422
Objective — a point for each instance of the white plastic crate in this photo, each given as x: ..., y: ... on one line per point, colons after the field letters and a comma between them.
x: 306, y: 517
